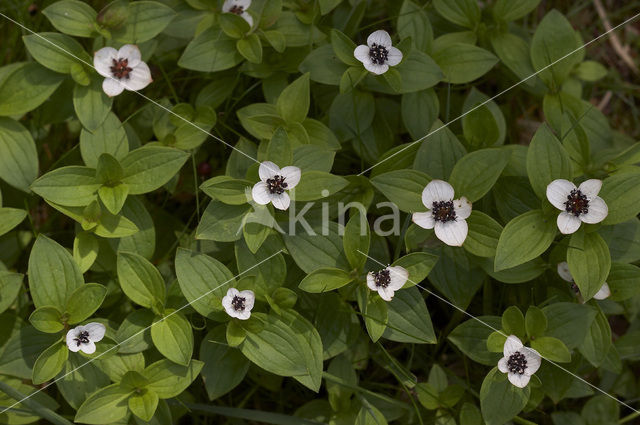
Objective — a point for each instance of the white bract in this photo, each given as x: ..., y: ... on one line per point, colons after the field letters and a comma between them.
x: 519, y: 362
x: 578, y: 204
x: 565, y: 274
x: 444, y: 213
x: 387, y: 281
x: 378, y: 54
x: 122, y: 68
x: 238, y: 7
x: 274, y: 184
x: 83, y: 338
x: 238, y: 304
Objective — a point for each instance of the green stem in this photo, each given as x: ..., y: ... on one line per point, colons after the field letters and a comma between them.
x: 521, y: 421
x: 33, y: 405
x: 629, y: 418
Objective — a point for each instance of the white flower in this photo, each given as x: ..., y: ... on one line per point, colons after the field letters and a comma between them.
x: 83, y: 338
x: 387, y: 281
x: 565, y: 274
x: 122, y: 68
x: 444, y: 213
x: 519, y: 362
x: 274, y: 184
x: 238, y: 7
x: 378, y: 54
x: 578, y: 204
x: 238, y: 303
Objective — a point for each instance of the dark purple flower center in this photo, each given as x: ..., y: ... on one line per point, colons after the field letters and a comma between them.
x: 378, y: 54
x: 82, y: 338
x: 238, y: 303
x: 382, y: 278
x: 276, y: 185
x: 120, y: 68
x: 517, y: 363
x: 238, y: 10
x: 443, y: 211
x: 576, y: 203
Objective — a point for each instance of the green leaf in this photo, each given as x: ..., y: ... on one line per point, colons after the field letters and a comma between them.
x: 439, y: 153
x: 277, y: 347
x: 471, y: 338
x: 49, y: 49
x: 224, y: 367
x: 513, y: 51
x: 276, y: 39
x: 462, y: 63
x: 251, y: 48
x: 413, y: 22
x: 508, y: 10
x: 403, y: 188
x: 32, y: 399
x: 569, y: 322
x: 168, y: 379
x: 597, y: 342
x: 547, y: 160
x: 317, y: 184
x: 233, y: 25
x: 149, y: 167
x: 513, y: 322
x: 589, y: 262
x: 500, y: 401
x: 50, y: 362
x: 53, y: 274
x: 172, y: 336
x: 343, y: 47
x: 590, y: 71
x: 114, y: 197
x: 484, y: 233
x: 47, y: 319
x: 318, y: 250
x: 408, y: 319
x: 143, y: 404
x: 621, y: 192
x: 465, y: 13
x: 227, y: 189
x: 622, y: 281
x: 110, y: 137
x: 210, y: 51
x: 417, y: 71
x: 91, y: 104
x: 107, y: 405
x: 293, y: 102
x: 22, y: 349
x: 535, y: 321
x: 140, y: 280
x: 84, y: 301
x: 418, y: 264
x: 356, y: 239
x: 72, y: 186
x: 324, y: 280
x: 199, y: 274
x: 476, y: 173
x: 72, y: 17
x: 18, y: 155
x: 279, y: 148
x: 420, y: 110
x: 28, y: 86
x: 323, y: 66
x: 369, y: 415
x: 483, y: 123
x: 533, y: 227
x: 553, y: 40
x: 552, y: 349
x: 221, y: 222
x: 374, y: 312
x: 145, y: 20
x: 10, y: 285
x: 10, y: 218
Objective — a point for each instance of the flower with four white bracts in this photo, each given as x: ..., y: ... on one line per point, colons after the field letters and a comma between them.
x: 578, y: 204
x: 565, y: 274
x: 519, y: 362
x: 378, y: 54
x: 238, y: 7
x: 445, y: 214
x: 274, y: 184
x: 84, y: 338
x: 122, y: 68
x: 238, y: 304
x: 387, y: 281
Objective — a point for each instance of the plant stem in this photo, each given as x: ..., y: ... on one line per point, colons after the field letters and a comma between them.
x: 629, y: 418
